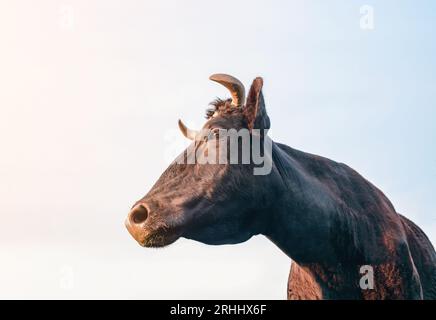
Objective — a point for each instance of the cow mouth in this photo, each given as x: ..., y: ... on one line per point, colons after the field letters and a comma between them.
x: 157, y: 237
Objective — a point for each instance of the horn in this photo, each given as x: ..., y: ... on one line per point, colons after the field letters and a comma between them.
x: 235, y: 87
x: 188, y: 133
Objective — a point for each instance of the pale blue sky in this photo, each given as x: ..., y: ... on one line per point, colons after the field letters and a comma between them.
x: 91, y: 90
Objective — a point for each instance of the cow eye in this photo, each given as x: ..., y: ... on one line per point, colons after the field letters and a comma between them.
x: 216, y: 133
x: 213, y: 134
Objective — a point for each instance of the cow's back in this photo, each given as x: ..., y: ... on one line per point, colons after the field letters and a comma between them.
x: 424, y: 257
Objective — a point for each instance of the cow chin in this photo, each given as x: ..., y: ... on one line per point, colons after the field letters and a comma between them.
x: 153, y: 237
x: 159, y: 239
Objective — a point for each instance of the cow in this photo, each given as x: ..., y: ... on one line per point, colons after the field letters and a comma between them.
x: 343, y: 235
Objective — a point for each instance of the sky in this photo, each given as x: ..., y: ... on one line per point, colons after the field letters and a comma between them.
x: 90, y: 95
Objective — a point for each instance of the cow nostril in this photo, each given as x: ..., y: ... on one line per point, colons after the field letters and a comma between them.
x: 140, y: 214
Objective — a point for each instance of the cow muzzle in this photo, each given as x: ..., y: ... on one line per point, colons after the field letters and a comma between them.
x: 136, y: 222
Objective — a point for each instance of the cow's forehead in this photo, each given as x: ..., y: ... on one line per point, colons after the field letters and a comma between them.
x: 228, y: 121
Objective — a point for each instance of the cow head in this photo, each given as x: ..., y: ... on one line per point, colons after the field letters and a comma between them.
x: 212, y: 203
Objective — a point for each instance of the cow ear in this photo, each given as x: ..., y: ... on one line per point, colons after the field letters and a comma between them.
x: 254, y: 109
